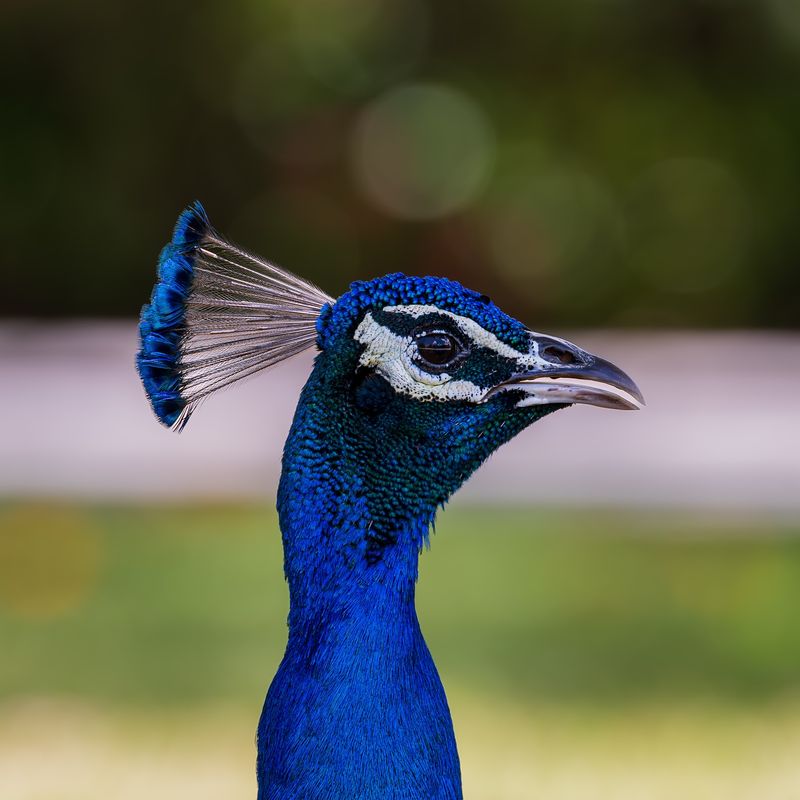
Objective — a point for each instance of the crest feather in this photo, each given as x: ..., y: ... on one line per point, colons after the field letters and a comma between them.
x: 217, y: 315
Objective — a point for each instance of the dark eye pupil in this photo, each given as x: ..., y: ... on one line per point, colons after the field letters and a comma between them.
x: 437, y: 348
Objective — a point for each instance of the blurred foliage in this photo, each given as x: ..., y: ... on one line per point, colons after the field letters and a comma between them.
x: 593, y: 162
x: 188, y: 605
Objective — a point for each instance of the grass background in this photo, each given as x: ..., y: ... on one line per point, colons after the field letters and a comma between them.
x: 586, y: 654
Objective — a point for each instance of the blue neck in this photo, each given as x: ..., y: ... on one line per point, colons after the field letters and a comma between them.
x: 356, y: 709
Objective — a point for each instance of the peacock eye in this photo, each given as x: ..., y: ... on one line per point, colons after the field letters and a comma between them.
x: 437, y: 349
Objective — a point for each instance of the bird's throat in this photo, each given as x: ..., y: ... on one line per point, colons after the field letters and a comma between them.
x: 356, y: 709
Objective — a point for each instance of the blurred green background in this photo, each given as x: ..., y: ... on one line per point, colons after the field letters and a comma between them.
x: 181, y: 605
x: 582, y: 658
x: 592, y: 162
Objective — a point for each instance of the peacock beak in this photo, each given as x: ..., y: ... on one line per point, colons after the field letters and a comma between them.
x: 563, y: 373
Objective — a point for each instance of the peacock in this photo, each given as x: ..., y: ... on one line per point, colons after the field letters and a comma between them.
x: 416, y: 381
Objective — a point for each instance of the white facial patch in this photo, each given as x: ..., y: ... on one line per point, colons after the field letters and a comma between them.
x: 392, y: 356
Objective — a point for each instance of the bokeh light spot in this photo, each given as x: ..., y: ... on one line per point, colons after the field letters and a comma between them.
x: 560, y: 210
x: 556, y: 230
x: 785, y: 16
x: 422, y: 151
x: 356, y: 45
x: 689, y: 224
x: 50, y: 558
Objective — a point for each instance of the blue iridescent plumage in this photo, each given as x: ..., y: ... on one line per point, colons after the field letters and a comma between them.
x: 216, y: 315
x: 416, y: 382
x: 399, y: 289
x: 357, y: 687
x: 162, y: 320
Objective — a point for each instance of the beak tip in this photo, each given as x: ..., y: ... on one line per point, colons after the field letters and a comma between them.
x: 588, y: 369
x: 616, y: 377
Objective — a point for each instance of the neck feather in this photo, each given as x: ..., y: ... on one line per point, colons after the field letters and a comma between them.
x: 346, y: 517
x: 357, y: 708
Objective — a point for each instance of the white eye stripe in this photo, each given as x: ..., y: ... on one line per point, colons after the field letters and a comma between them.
x: 391, y: 355
x: 478, y: 335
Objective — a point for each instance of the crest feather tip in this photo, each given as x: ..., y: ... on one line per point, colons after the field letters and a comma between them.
x: 217, y: 314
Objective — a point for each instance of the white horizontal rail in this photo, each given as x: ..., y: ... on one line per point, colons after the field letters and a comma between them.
x: 721, y: 429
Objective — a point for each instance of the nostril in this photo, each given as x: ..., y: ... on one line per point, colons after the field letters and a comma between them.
x: 561, y: 355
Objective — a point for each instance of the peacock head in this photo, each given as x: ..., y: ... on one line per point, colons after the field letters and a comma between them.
x: 415, y: 374
x: 440, y: 365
